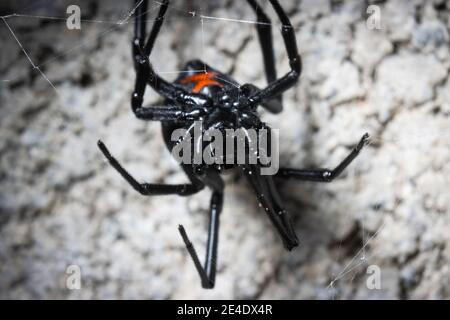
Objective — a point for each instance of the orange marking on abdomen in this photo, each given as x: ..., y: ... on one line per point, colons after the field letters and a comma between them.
x: 201, y: 80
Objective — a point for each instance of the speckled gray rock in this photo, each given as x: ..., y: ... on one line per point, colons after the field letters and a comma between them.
x: 410, y: 78
x: 62, y: 205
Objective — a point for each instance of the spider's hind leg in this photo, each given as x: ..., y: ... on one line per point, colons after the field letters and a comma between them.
x: 208, y: 272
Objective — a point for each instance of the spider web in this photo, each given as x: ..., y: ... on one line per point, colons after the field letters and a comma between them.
x: 127, y: 19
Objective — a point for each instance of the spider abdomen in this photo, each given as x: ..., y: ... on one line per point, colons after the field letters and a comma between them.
x: 201, y: 78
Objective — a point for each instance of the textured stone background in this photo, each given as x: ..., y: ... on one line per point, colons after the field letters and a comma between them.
x: 61, y: 204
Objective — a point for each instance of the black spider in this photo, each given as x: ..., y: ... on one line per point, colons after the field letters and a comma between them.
x: 213, y: 97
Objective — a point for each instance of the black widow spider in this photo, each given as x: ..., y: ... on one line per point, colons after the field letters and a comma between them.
x: 209, y: 95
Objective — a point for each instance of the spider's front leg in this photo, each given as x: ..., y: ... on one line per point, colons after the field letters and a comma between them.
x: 277, y: 87
x: 323, y: 175
x: 264, y: 29
x: 146, y: 75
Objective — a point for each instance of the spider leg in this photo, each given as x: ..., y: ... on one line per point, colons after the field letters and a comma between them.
x: 145, y: 74
x: 147, y: 189
x: 208, y: 272
x: 279, y: 86
x: 140, y: 26
x: 168, y: 113
x: 323, y: 175
x: 264, y: 28
x: 269, y: 199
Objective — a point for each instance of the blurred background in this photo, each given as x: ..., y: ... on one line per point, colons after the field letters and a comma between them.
x: 369, y: 66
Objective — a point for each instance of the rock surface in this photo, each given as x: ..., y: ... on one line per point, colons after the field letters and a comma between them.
x: 62, y: 205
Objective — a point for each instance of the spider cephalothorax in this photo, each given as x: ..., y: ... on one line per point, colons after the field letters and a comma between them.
x: 206, y: 95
